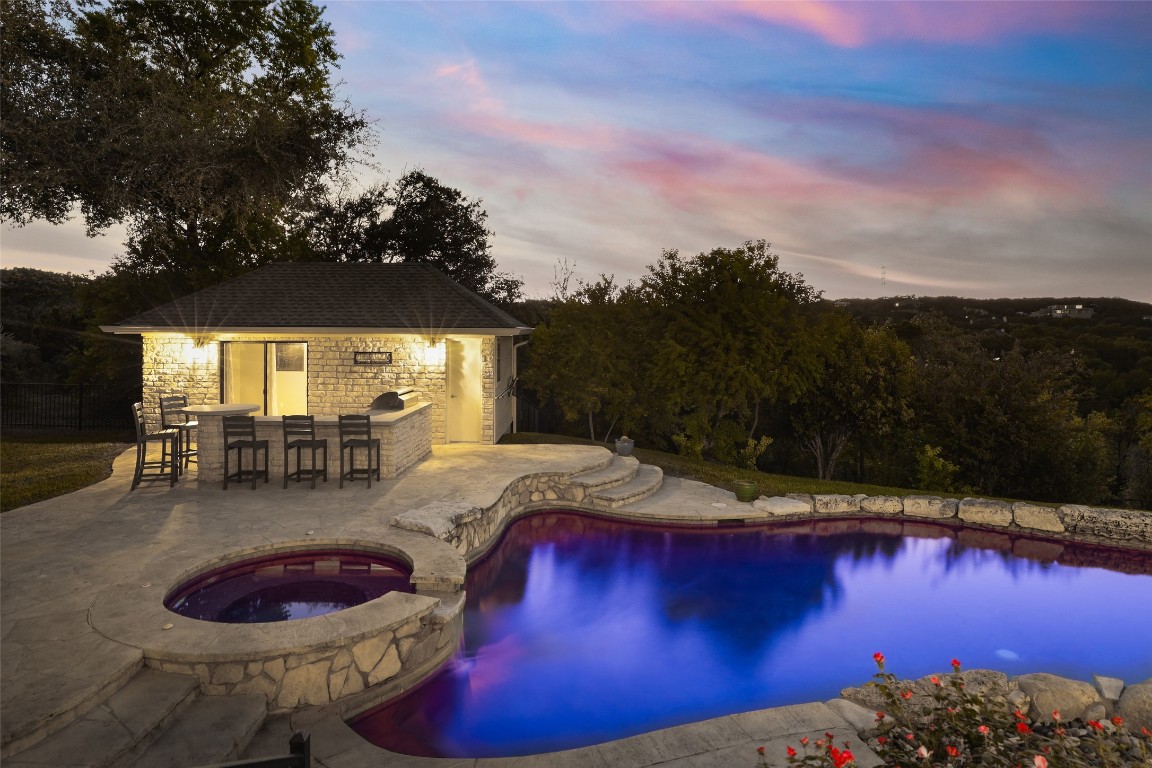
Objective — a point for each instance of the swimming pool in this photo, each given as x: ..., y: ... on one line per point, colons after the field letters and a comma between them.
x: 581, y: 630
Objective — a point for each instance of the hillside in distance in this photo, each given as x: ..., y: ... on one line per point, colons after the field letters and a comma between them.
x: 1114, y: 344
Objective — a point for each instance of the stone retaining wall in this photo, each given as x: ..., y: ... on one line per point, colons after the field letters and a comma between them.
x: 1123, y: 527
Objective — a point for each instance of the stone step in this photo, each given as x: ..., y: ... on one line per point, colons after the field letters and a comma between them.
x: 214, y: 729
x: 646, y: 482
x: 620, y: 470
x: 115, y: 732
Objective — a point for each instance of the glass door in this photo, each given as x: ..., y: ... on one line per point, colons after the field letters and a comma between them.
x: 272, y: 374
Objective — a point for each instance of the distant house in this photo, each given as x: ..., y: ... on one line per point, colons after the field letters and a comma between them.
x: 326, y: 339
x: 1065, y: 310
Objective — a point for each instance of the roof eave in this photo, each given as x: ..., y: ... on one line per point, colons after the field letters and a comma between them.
x: 316, y: 331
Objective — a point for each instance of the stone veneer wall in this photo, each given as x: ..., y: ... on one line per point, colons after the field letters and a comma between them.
x: 395, y: 657
x: 173, y: 364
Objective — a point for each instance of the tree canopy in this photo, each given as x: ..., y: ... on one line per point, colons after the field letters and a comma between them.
x: 167, y: 115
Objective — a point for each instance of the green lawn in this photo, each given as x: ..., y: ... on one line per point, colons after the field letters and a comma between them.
x: 723, y: 476
x: 38, y: 467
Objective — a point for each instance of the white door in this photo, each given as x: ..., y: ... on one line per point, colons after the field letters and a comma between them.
x: 465, y: 390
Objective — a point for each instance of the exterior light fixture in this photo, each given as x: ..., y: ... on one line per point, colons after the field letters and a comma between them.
x: 435, y: 353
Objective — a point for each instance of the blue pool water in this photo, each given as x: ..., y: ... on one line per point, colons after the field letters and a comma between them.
x: 580, y: 630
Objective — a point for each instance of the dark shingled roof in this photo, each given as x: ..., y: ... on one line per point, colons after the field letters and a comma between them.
x: 396, y: 297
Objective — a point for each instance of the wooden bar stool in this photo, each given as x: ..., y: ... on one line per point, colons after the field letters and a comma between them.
x: 171, y: 418
x: 169, y: 439
x: 300, y: 433
x: 240, y: 435
x: 356, y: 432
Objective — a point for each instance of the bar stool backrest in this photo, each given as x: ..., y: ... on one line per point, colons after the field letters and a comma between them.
x: 356, y: 426
x: 300, y: 426
x: 168, y: 404
x: 138, y: 417
x: 239, y: 428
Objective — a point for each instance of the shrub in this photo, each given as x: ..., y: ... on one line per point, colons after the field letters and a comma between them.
x: 959, y: 728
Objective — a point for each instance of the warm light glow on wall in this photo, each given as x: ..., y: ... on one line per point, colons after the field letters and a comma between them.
x: 200, y: 350
x: 435, y: 353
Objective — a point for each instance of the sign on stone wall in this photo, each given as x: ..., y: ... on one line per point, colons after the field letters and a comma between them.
x: 372, y: 358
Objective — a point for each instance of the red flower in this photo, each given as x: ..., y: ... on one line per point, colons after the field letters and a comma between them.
x: 1019, y: 715
x: 951, y: 750
x: 1117, y: 720
x: 879, y: 716
x: 791, y: 752
x: 935, y: 680
x: 1056, y: 714
x: 840, y: 758
x: 760, y: 750
x: 881, y: 739
x: 1023, y: 728
x: 906, y: 694
x: 984, y: 730
x: 879, y: 659
x: 1096, y: 724
x: 955, y: 665
x: 1040, y: 761
x: 804, y: 741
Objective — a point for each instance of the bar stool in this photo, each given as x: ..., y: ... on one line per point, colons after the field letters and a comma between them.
x: 171, y: 418
x: 240, y: 435
x: 356, y: 432
x: 169, y: 439
x: 300, y: 433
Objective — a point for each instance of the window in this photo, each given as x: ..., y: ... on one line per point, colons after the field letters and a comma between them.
x: 271, y: 374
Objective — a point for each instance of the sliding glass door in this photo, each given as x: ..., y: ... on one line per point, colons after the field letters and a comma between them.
x: 272, y: 374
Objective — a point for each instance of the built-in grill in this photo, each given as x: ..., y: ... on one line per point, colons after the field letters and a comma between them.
x: 392, y: 401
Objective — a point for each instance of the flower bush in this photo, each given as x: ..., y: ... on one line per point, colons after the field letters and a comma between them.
x: 959, y: 728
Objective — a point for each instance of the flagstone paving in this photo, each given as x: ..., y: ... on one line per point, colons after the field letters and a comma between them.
x: 57, y: 556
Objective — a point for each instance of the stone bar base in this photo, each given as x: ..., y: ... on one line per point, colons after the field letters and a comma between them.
x: 405, y: 438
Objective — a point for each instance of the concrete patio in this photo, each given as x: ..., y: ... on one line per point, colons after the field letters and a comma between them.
x: 67, y: 687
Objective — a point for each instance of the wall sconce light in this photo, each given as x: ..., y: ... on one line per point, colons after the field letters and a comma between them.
x: 201, y: 351
x: 435, y: 353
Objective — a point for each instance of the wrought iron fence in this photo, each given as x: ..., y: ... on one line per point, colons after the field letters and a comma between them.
x: 65, y: 407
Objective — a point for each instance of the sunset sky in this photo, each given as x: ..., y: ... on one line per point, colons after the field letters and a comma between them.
x: 981, y: 149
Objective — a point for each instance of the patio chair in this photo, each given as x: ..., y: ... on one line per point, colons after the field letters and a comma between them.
x: 171, y: 418
x: 240, y: 436
x: 356, y: 432
x: 169, y: 439
x: 300, y: 434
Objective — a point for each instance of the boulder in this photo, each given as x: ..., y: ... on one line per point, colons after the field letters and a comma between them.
x: 1037, y: 518
x: 1121, y: 524
x: 985, y: 512
x: 929, y: 506
x: 1135, y: 706
x: 1072, y: 698
x: 836, y: 504
x: 779, y: 506
x: 882, y: 505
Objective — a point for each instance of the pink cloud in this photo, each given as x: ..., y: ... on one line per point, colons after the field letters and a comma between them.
x: 856, y: 24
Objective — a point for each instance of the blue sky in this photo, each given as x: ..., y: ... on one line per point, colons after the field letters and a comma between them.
x: 980, y: 149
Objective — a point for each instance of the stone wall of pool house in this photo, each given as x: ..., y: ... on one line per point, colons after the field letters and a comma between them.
x: 174, y: 364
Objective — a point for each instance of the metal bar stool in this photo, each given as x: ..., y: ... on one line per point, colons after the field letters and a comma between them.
x: 240, y: 435
x: 171, y: 418
x: 356, y: 432
x: 300, y: 433
x: 169, y: 439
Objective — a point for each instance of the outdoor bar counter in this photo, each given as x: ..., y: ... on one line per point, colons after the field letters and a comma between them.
x: 405, y: 438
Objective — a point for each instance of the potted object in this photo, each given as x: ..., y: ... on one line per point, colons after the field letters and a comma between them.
x: 746, y: 490
x: 624, y: 446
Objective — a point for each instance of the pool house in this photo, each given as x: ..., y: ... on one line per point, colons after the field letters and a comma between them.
x: 401, y: 341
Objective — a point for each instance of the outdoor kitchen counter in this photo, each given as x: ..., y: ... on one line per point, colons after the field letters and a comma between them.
x: 405, y: 438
